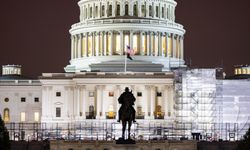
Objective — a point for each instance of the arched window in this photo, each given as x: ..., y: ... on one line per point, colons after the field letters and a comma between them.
x: 103, y: 10
x: 143, y: 11
x: 162, y: 12
x: 150, y: 11
x: 135, y: 13
x: 126, y: 10
x: 118, y: 10
x: 6, y: 115
x: 157, y: 11
x: 96, y: 11
x: 110, y: 11
x: 90, y: 12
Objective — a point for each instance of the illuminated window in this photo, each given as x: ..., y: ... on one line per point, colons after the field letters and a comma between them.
x: 22, y: 116
x: 6, y: 115
x: 118, y: 10
x: 144, y: 44
x: 111, y: 94
x: 117, y: 44
x: 84, y: 46
x: 6, y: 99
x: 248, y: 71
x: 109, y: 44
x: 36, y: 116
x: 101, y: 45
x: 58, y: 112
x: 96, y: 44
x: 244, y: 71
x: 164, y: 45
x: 135, y: 44
x: 156, y: 48
x: 90, y: 45
x: 126, y: 41
x: 126, y: 10
x: 169, y: 47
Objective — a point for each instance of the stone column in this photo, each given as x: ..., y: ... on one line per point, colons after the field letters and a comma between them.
x: 131, y: 39
x: 122, y: 8
x: 182, y: 48
x: 152, y: 37
x: 83, y: 101
x: 93, y: 43
x: 111, y: 43
x: 113, y: 8
x: 134, y: 91
x: 173, y: 46
x: 152, y: 101
x: 147, y: 96
x: 99, y: 101
x: 141, y: 44
x: 121, y: 42
x: 97, y: 47
x: 130, y: 8
x: 72, y: 46
x: 105, y: 44
x: 165, y: 100
x: 102, y: 50
x: 154, y: 10
x: 78, y: 97
x: 139, y: 8
x: 160, y: 51
x: 170, y: 101
x: 93, y: 10
x: 148, y: 43
x: 116, y: 96
x: 106, y: 9
x: 79, y: 45
x: 76, y: 46
x: 147, y: 9
x: 166, y: 44
x: 86, y: 45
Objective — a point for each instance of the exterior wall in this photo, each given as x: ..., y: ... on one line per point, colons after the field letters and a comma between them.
x: 78, y: 94
x: 107, y: 145
x: 14, y: 90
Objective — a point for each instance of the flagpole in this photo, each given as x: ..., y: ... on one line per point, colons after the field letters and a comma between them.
x: 125, y: 57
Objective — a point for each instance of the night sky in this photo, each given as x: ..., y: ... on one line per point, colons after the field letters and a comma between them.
x: 34, y: 33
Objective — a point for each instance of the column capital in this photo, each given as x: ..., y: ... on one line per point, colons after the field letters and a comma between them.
x: 100, y: 87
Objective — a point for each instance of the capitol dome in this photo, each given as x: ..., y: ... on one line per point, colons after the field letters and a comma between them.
x: 107, y: 27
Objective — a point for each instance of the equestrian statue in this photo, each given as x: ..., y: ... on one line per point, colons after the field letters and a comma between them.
x: 126, y: 111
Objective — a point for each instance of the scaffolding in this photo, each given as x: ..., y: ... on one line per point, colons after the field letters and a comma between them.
x: 198, y: 97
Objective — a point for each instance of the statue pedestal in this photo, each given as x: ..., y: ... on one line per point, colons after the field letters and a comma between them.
x: 123, y: 141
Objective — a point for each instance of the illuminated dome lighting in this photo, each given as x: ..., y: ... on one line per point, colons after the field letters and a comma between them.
x: 107, y: 27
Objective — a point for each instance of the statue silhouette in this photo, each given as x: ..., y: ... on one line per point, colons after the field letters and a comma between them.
x: 126, y: 111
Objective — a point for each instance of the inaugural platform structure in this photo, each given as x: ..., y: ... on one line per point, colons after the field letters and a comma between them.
x: 107, y: 27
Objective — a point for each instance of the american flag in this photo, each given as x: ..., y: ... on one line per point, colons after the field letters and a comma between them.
x: 129, y: 52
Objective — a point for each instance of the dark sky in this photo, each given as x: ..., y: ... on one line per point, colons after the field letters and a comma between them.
x: 34, y: 33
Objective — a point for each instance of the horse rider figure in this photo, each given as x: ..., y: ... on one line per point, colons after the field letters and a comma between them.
x: 127, y: 96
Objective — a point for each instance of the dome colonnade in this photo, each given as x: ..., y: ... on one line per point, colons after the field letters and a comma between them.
x: 107, y: 27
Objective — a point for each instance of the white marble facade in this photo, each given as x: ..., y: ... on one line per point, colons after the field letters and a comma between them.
x: 75, y: 96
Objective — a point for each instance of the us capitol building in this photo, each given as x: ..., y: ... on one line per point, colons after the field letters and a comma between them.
x: 171, y: 101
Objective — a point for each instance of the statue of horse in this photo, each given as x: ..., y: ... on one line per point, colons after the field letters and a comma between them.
x: 126, y: 118
x: 127, y: 111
